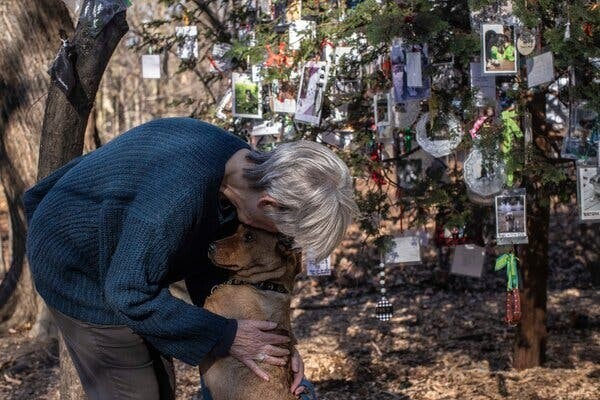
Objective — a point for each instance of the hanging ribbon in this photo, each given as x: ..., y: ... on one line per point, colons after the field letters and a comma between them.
x: 477, y: 126
x: 513, y: 300
x: 510, y: 131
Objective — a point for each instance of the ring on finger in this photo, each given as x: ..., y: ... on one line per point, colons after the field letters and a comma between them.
x: 260, y: 357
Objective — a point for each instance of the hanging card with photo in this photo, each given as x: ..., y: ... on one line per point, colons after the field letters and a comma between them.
x: 588, y: 193
x: 407, y: 77
x: 499, y: 49
x: 382, y: 106
x: 406, y: 250
x: 468, y: 260
x: 581, y: 143
x: 283, y: 97
x: 151, y: 66
x: 247, y: 102
x: 511, y: 217
x: 322, y: 268
x: 540, y: 69
x: 187, y: 42
x: 310, y: 95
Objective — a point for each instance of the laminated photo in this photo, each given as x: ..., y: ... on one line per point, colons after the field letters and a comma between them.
x: 219, y: 61
x: 283, y: 97
x: 348, y: 76
x: 588, y: 192
x: 540, y: 69
x: 499, y: 49
x: 301, y: 30
x: 581, y: 143
x: 187, y: 42
x: 310, y: 95
x: 468, y: 260
x: 406, y: 250
x: 408, y: 64
x: 382, y: 106
x: 511, y: 217
x: 247, y: 101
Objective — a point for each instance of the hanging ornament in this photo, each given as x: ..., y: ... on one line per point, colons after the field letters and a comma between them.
x: 513, y: 300
x: 443, y: 140
x: 486, y: 177
x: 588, y: 29
x: 526, y: 42
x: 567, y: 30
x: 384, y: 309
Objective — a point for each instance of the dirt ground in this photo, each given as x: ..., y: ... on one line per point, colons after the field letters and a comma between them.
x: 446, y: 340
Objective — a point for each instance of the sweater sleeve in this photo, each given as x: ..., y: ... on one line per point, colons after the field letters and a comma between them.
x: 133, y: 287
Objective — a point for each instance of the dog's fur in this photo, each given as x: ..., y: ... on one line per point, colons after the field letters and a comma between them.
x: 252, y: 255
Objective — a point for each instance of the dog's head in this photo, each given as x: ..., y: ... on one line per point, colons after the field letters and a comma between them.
x: 255, y: 255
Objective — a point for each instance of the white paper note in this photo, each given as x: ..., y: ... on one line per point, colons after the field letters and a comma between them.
x: 322, y: 268
x: 151, y: 66
x: 406, y: 250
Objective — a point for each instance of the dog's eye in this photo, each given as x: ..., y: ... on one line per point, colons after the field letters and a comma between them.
x: 248, y: 237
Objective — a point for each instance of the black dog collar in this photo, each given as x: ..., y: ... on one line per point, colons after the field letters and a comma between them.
x: 265, y: 285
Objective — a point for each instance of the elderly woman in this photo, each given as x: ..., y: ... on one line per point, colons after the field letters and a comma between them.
x: 110, y: 230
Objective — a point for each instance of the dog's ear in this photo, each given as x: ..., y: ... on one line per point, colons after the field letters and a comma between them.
x: 285, y: 244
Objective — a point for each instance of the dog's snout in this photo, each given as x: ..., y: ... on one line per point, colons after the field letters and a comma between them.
x: 212, y: 249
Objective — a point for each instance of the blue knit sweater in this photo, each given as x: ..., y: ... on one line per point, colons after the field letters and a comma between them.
x: 110, y: 230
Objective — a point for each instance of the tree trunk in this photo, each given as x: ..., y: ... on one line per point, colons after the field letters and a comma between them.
x: 531, y: 334
x: 530, y: 345
x: 30, y: 39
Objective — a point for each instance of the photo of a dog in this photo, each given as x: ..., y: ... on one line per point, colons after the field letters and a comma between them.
x: 263, y: 267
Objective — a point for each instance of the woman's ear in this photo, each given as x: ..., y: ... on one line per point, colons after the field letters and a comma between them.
x: 266, y: 201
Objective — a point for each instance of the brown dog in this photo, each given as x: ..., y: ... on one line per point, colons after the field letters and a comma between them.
x: 263, y: 267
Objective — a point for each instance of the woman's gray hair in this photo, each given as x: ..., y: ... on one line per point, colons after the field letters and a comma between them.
x: 313, y: 189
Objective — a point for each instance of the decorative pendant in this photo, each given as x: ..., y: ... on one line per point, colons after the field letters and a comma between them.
x: 442, y: 141
x: 384, y: 309
x: 483, y: 177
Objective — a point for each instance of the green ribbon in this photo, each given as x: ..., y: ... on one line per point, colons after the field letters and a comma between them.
x: 408, y: 140
x: 509, y: 261
x: 510, y: 131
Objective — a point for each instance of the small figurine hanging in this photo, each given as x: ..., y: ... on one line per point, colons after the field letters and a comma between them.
x: 513, y: 301
x: 384, y: 309
x: 509, y: 132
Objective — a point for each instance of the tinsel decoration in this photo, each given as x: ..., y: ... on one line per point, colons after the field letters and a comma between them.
x: 510, y: 130
x: 513, y: 300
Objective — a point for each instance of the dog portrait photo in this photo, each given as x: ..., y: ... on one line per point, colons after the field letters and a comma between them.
x: 588, y: 193
x: 511, y: 215
x: 247, y: 101
x: 310, y: 95
x: 499, y: 49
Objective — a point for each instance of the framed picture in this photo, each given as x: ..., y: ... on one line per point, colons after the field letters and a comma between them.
x: 283, y: 98
x: 408, y: 63
x: 310, y: 96
x: 247, y: 102
x: 581, y: 143
x: 499, y: 49
x: 511, y: 217
x: 382, y: 106
x: 588, y: 193
x: 405, y: 250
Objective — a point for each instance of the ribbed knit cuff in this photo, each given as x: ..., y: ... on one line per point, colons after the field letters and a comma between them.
x: 221, y: 348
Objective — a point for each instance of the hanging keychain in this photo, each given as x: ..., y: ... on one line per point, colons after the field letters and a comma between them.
x: 513, y: 300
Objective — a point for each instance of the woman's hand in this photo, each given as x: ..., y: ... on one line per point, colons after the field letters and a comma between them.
x: 298, y: 369
x: 252, y: 343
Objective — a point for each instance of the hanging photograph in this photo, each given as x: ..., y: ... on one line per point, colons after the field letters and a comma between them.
x: 310, y: 95
x: 588, y: 193
x: 499, y: 51
x: 247, y: 101
x: 348, y: 76
x: 218, y: 58
x: 468, y: 260
x: 283, y: 98
x: 511, y: 227
x: 322, y: 268
x: 540, y: 69
x: 187, y: 42
x: 408, y: 65
x: 382, y: 106
x: 581, y: 143
x: 441, y: 136
x: 406, y: 250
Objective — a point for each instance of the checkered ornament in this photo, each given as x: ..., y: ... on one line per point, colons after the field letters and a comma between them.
x: 384, y: 309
